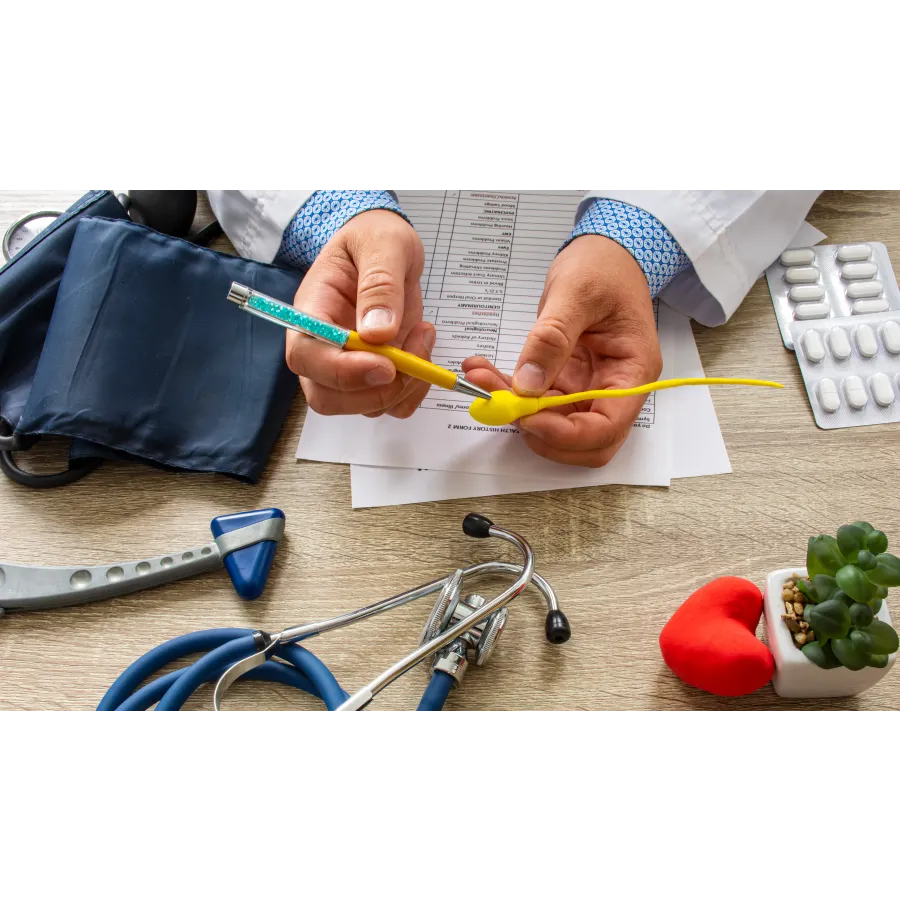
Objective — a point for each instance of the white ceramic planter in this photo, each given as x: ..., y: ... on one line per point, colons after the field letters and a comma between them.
x: 795, y: 675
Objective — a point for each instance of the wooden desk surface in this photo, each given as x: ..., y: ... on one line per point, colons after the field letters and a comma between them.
x: 621, y: 558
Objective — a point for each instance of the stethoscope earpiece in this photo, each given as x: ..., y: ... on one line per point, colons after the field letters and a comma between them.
x: 477, y: 526
x: 557, y: 627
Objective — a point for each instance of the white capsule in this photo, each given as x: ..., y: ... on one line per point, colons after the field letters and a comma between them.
x: 861, y: 307
x: 806, y: 292
x: 799, y: 257
x: 813, y: 346
x: 864, y: 289
x: 881, y: 389
x: 839, y: 343
x: 859, y: 271
x: 851, y: 252
x: 829, y: 396
x: 855, y: 391
x: 890, y: 336
x: 801, y: 275
x: 865, y: 341
x: 811, y: 310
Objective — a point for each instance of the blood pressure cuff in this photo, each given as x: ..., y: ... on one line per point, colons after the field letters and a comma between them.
x: 145, y: 359
x: 28, y: 288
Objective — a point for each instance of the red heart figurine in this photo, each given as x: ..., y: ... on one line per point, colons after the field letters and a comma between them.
x: 710, y: 642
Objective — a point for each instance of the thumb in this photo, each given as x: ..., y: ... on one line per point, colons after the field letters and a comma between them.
x: 551, y: 341
x: 382, y: 268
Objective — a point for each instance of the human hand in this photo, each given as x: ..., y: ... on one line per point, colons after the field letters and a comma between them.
x: 595, y: 329
x: 366, y: 278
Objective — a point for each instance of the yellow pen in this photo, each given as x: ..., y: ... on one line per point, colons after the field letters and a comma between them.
x: 287, y: 316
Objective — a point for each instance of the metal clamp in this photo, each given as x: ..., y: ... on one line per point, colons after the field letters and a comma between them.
x: 453, y: 661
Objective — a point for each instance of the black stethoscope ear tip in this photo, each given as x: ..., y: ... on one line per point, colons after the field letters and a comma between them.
x: 477, y: 526
x: 557, y: 627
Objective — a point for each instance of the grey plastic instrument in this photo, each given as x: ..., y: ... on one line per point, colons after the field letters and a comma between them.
x: 51, y: 587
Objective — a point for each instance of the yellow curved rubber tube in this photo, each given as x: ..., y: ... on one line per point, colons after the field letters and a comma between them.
x: 505, y: 407
x: 407, y: 363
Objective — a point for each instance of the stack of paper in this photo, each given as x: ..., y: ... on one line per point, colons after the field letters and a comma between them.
x: 487, y: 253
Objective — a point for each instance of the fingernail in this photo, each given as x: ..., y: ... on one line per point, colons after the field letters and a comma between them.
x: 529, y: 378
x: 379, y: 375
x: 378, y: 318
x: 430, y: 335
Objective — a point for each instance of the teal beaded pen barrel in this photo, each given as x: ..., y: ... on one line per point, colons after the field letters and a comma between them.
x: 296, y: 320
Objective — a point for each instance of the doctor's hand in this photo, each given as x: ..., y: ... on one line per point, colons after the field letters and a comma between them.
x: 595, y: 329
x: 366, y: 278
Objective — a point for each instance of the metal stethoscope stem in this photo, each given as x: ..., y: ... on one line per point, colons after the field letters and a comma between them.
x: 557, y: 628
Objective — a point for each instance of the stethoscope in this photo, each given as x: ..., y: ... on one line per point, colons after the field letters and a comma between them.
x: 461, y: 629
x: 169, y: 212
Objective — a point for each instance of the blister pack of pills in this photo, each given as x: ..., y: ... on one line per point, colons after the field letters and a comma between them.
x: 851, y: 368
x: 831, y: 281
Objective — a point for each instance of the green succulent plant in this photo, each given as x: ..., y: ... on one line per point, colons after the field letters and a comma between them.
x: 849, y: 577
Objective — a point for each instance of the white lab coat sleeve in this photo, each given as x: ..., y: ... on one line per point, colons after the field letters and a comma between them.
x: 731, y: 237
x: 255, y: 220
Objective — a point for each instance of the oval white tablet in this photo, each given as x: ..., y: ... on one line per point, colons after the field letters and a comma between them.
x: 890, y: 336
x: 801, y: 275
x: 865, y: 341
x: 881, y: 389
x: 811, y: 310
x: 864, y: 289
x: 861, y: 307
x: 813, y: 346
x: 800, y: 257
x: 859, y: 271
x: 856, y: 393
x: 829, y: 396
x: 806, y: 292
x: 851, y: 252
x: 839, y: 343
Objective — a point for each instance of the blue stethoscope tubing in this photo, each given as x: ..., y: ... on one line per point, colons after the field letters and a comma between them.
x: 222, y: 647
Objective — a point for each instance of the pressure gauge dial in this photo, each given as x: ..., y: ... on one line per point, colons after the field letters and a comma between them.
x: 26, y: 229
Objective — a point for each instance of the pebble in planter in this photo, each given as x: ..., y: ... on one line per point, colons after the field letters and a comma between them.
x: 795, y: 605
x: 835, y: 615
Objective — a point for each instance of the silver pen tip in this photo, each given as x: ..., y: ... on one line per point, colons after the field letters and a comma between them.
x: 466, y: 387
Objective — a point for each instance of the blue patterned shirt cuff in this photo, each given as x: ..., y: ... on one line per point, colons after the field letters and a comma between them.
x: 320, y: 217
x: 649, y: 241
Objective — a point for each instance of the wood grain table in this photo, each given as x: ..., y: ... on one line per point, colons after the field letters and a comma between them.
x: 621, y: 558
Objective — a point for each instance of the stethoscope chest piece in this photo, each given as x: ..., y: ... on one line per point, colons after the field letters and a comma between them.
x: 489, y: 631
x: 447, y: 600
x: 481, y: 638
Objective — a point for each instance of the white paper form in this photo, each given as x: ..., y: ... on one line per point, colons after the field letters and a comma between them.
x: 697, y: 447
x: 487, y: 253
